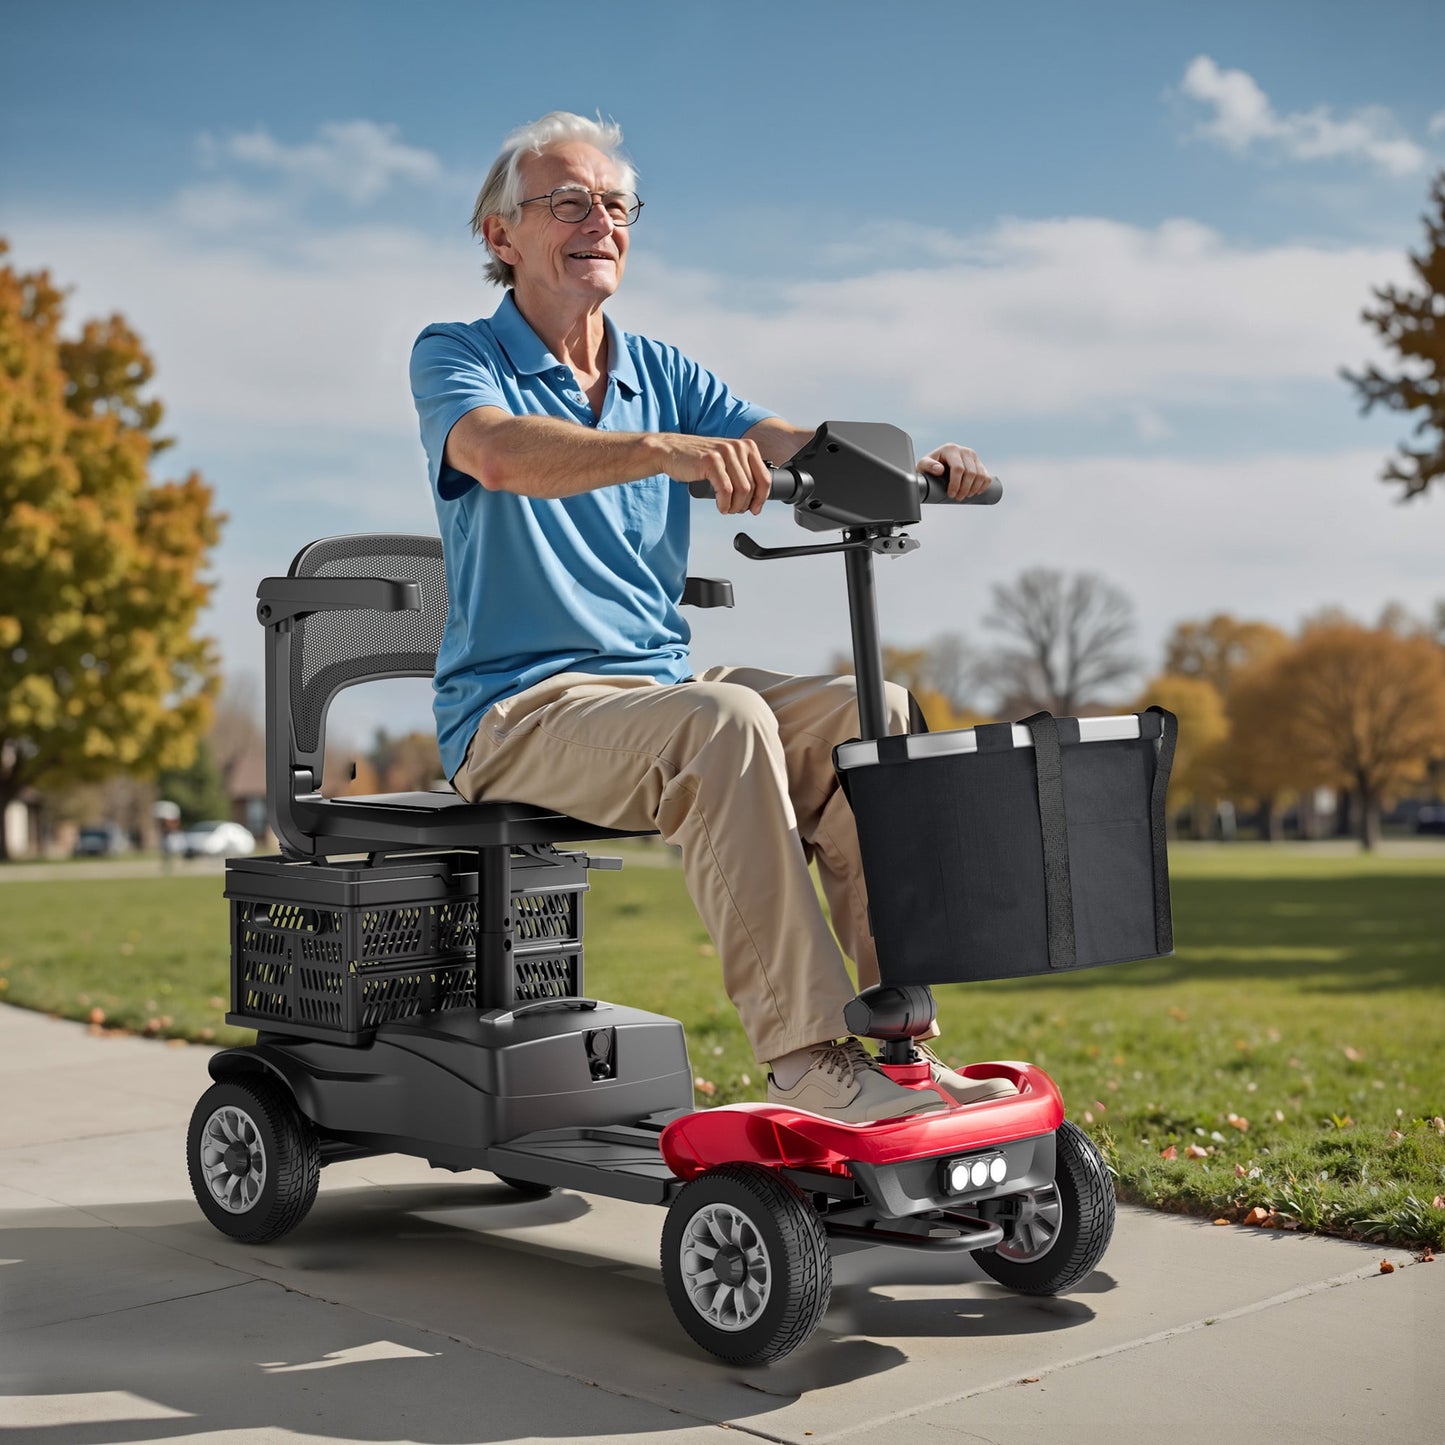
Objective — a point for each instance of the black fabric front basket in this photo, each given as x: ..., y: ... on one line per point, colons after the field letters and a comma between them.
x: 1014, y: 849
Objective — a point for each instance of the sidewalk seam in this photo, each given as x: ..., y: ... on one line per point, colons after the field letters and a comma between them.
x: 124, y: 1309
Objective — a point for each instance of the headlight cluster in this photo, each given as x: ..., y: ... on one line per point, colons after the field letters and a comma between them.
x: 977, y: 1171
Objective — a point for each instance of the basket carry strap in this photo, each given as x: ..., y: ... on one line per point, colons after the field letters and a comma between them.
x: 1058, y: 890
x: 1163, y: 762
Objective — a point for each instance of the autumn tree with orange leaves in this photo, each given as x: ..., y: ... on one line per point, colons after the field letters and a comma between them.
x: 1349, y: 707
x: 101, y: 587
x: 1201, y: 663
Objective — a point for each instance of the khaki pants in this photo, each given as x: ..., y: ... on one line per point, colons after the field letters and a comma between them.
x: 736, y: 769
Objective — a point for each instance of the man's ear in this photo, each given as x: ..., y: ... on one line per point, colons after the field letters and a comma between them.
x: 498, y: 236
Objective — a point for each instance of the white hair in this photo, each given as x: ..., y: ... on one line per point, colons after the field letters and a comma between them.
x: 501, y: 193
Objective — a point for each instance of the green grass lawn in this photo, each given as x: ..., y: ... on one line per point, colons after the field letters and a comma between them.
x: 1289, y: 1057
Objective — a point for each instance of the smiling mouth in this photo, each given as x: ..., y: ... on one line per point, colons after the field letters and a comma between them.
x: 590, y: 256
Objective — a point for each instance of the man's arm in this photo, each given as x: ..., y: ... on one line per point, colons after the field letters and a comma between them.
x: 777, y: 439
x: 542, y: 456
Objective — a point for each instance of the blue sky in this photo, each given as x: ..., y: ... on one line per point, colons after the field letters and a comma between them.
x: 1119, y: 248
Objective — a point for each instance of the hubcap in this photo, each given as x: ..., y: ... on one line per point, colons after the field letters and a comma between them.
x: 1035, y: 1229
x: 725, y: 1267
x: 233, y: 1160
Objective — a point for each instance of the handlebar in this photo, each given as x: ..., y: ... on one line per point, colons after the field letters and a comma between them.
x: 794, y: 486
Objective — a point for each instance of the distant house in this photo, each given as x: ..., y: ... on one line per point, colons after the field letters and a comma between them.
x: 245, y: 782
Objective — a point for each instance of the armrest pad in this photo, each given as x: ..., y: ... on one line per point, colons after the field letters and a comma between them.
x: 284, y: 598
x: 707, y: 592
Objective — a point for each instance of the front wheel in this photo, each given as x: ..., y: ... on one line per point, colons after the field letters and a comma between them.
x: 1054, y: 1237
x: 746, y: 1263
x: 253, y: 1157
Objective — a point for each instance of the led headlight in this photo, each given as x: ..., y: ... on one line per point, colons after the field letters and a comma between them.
x: 962, y: 1175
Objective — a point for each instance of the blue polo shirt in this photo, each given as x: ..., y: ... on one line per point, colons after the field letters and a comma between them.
x: 539, y: 586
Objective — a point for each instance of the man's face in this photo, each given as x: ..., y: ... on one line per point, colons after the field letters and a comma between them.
x: 585, y: 260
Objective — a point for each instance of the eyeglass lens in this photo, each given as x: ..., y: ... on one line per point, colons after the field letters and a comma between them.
x: 573, y: 204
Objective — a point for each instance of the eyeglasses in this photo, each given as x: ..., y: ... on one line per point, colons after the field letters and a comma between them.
x: 573, y: 204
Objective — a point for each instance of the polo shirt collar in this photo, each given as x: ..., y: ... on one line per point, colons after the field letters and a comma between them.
x: 529, y: 355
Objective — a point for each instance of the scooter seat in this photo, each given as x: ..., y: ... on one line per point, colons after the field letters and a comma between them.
x: 375, y: 822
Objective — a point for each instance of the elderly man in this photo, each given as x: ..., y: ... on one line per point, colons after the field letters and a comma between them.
x: 557, y: 445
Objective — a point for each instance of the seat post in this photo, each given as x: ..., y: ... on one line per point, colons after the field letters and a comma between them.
x: 496, y: 968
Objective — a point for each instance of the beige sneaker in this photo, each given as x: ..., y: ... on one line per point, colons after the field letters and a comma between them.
x: 845, y: 1083
x: 959, y: 1087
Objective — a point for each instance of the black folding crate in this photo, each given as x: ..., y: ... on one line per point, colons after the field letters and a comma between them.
x: 1014, y: 849
x: 332, y: 949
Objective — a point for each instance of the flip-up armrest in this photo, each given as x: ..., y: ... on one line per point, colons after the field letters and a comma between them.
x: 285, y: 598
x: 707, y: 592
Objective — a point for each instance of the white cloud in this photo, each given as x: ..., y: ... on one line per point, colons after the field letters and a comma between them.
x: 1073, y: 317
x: 1057, y: 318
x: 358, y: 159
x: 1436, y: 123
x: 1244, y: 117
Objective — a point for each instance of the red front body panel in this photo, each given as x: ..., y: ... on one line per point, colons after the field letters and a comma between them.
x: 779, y: 1137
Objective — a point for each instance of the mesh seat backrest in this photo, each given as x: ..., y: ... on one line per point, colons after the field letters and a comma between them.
x: 333, y: 650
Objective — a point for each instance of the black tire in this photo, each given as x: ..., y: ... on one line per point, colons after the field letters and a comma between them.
x: 779, y: 1271
x: 269, y: 1181
x: 526, y: 1186
x: 1061, y: 1232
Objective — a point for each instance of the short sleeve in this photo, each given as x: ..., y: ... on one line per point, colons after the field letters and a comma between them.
x: 450, y: 376
x: 709, y: 408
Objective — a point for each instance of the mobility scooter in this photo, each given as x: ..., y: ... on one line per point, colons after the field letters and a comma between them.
x: 413, y: 966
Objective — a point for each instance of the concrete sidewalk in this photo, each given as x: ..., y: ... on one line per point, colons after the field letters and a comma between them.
x: 422, y: 1306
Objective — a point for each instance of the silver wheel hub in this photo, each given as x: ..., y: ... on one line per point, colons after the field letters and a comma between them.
x: 233, y: 1159
x: 725, y: 1267
x: 1035, y: 1228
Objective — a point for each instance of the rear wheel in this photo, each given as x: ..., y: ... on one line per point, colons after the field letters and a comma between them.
x: 253, y: 1157
x: 1054, y: 1237
x: 746, y: 1263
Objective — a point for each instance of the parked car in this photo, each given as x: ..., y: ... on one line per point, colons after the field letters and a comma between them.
x: 1431, y: 818
x: 104, y: 840
x: 220, y: 838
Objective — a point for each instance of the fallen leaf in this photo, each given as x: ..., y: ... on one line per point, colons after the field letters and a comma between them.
x: 1438, y: 1202
x: 1353, y: 1055
x: 1426, y: 1256
x: 1088, y: 1117
x: 1221, y: 1221
x: 1170, y: 1153
x: 1256, y: 1216
x: 1386, y: 1267
x: 1178, y: 1014
x: 705, y: 1086
x: 1193, y: 1151
x: 1240, y: 1172
x: 1393, y: 1135
x: 96, y: 1016
x: 1240, y: 1123
x: 1029, y: 1380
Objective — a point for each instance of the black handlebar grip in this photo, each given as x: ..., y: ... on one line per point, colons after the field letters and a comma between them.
x: 935, y: 490
x: 784, y: 488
